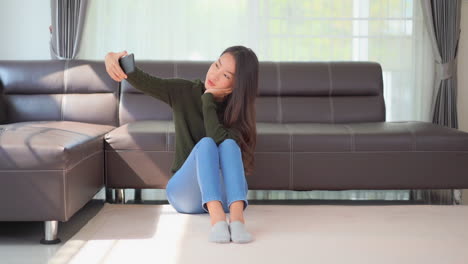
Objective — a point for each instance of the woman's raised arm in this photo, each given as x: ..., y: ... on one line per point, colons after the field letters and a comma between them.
x: 164, y: 89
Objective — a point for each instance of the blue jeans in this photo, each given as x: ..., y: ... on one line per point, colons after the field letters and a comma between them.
x: 209, y: 173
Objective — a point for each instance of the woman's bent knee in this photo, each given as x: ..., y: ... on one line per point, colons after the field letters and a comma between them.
x: 229, y: 145
x: 207, y: 140
x: 229, y: 141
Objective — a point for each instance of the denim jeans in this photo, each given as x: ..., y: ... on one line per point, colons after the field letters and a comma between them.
x: 209, y: 173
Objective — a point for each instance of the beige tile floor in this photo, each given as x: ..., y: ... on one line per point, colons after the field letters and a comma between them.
x: 19, y: 241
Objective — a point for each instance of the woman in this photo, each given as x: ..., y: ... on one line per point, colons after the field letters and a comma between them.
x: 212, y: 157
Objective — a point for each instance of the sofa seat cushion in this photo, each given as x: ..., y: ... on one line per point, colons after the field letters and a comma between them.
x: 149, y: 135
x: 307, y: 137
x: 51, y: 145
x: 374, y: 136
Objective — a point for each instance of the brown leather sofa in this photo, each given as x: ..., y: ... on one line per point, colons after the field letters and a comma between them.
x: 69, y: 130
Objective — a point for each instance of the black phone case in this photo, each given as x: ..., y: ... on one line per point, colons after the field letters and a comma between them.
x: 127, y: 63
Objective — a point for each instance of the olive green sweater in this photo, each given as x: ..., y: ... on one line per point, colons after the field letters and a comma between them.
x: 195, y: 114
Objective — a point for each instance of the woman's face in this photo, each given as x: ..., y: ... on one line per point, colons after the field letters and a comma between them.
x: 221, y: 72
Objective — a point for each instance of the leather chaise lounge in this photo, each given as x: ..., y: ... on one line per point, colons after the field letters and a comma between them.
x: 56, y: 114
x: 68, y: 130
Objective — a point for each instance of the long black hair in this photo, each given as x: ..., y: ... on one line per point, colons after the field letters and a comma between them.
x: 240, y: 112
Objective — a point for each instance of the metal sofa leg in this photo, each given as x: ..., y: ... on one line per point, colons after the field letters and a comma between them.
x: 457, y: 198
x: 138, y: 196
x: 437, y: 196
x: 412, y: 195
x: 416, y: 195
x: 421, y: 195
x: 109, y: 196
x: 50, y: 228
x: 119, y: 196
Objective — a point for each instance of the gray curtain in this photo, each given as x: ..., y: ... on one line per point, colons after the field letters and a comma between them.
x: 442, y: 20
x: 67, y: 18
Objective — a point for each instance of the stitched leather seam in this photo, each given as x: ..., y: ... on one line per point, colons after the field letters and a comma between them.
x: 81, y: 160
x: 330, y: 98
x: 365, y: 151
x: 167, y: 137
x: 291, y: 180
x: 352, y: 138
x: 64, y: 97
x: 413, y: 138
x: 64, y: 180
x: 290, y: 157
x: 65, y: 88
x: 279, y: 116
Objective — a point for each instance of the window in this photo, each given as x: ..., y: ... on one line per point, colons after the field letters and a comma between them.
x: 390, y: 32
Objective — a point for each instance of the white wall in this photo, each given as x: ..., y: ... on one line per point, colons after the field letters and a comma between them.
x: 462, y: 96
x: 24, y: 29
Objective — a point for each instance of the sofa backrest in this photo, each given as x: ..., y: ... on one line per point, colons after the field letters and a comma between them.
x: 289, y: 92
x: 320, y: 92
x: 134, y: 105
x: 67, y: 90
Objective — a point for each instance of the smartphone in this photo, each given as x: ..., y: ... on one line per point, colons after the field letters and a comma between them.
x: 127, y: 63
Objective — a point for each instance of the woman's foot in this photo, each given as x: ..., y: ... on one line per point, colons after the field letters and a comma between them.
x: 219, y: 227
x: 238, y: 232
x: 220, y: 233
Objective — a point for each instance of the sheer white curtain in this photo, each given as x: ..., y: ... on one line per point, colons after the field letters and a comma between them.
x: 390, y: 32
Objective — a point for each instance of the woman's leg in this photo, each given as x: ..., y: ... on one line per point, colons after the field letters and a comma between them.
x: 234, y: 178
x: 196, y: 188
x: 236, y: 189
x: 197, y: 185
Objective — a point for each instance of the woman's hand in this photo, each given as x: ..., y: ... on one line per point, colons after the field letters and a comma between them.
x: 113, y: 67
x: 219, y: 93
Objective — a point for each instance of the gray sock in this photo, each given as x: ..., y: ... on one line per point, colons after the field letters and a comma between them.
x: 220, y: 233
x: 238, y: 232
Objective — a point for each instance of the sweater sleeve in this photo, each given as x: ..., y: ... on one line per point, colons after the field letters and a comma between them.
x: 213, y: 127
x: 159, y: 88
